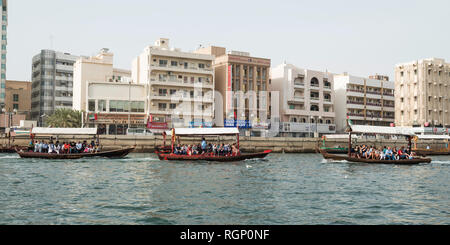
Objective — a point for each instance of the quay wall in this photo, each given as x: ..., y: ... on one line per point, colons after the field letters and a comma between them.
x: 146, y: 144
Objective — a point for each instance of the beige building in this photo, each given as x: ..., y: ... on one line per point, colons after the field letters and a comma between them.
x: 422, y: 93
x: 306, y: 100
x: 112, y: 101
x: 365, y: 101
x: 242, y: 81
x: 18, y: 97
x: 180, y: 85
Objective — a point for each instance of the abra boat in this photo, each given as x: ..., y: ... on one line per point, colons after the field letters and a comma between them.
x: 375, y: 130
x: 165, y: 153
x: 335, y: 157
x: 432, y: 152
x: 109, y: 154
x: 43, y: 132
x: 210, y: 157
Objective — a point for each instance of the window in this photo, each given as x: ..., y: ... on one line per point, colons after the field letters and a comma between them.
x: 173, y: 106
x: 15, y: 97
x: 4, y: 27
x: 173, y: 91
x: 15, y: 106
x: 162, y: 92
x: 314, y: 82
x: 137, y: 106
x: 3, y: 37
x: 401, y: 74
x: 163, y: 63
x: 102, y: 105
x: 162, y: 106
x: 191, y: 93
x: 174, y: 63
x: 201, y: 66
x: 292, y: 107
x: 3, y: 56
x: 91, y: 105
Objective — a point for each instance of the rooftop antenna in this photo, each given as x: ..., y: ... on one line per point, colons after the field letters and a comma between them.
x: 51, y: 41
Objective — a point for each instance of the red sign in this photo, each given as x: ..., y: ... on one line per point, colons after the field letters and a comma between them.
x: 157, y: 125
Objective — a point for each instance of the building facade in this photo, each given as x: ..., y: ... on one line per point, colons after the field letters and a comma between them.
x: 306, y: 100
x: 242, y: 81
x: 4, y: 8
x: 18, y: 97
x: 422, y: 93
x: 52, y: 83
x: 365, y: 101
x: 180, y: 85
x: 112, y: 101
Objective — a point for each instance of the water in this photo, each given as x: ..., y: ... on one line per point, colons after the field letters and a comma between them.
x: 282, y: 189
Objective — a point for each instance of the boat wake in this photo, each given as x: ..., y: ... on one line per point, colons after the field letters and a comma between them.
x: 9, y: 157
x: 441, y: 162
x: 336, y: 161
x: 145, y: 159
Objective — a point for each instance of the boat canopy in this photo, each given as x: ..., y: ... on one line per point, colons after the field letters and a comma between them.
x: 339, y: 136
x: 64, y: 131
x: 433, y: 137
x: 203, y: 131
x: 382, y: 130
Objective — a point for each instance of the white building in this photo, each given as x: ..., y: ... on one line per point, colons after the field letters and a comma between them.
x: 306, y: 100
x: 180, y: 85
x: 365, y: 101
x: 4, y: 8
x: 113, y: 102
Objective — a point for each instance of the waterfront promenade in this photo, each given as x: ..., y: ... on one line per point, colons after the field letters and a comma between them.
x: 146, y: 144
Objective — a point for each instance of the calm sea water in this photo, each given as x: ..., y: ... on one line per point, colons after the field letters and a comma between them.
x: 282, y: 189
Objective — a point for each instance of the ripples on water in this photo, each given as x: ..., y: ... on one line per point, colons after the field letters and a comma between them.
x: 282, y: 189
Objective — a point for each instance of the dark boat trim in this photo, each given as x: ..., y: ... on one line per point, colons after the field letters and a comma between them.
x: 241, y: 157
x: 353, y: 159
x: 109, y: 154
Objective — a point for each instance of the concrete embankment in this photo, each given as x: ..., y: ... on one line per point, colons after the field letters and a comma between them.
x: 146, y: 144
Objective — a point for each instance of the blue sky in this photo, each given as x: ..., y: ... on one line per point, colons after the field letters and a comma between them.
x: 359, y: 37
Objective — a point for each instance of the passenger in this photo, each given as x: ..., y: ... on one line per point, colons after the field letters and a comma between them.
x: 44, y: 147
x: 78, y: 146
x: 57, y: 147
x: 389, y: 154
x: 204, y: 145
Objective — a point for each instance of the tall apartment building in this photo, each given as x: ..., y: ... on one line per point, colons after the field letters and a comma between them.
x: 243, y: 82
x: 4, y: 7
x: 113, y: 102
x: 180, y: 85
x: 306, y: 100
x: 422, y: 93
x: 365, y: 101
x: 52, y: 83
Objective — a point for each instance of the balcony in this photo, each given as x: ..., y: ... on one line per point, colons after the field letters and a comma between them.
x: 182, y: 69
x: 355, y: 90
x: 355, y: 102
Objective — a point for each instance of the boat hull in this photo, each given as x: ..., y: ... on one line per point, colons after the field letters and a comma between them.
x: 109, y: 154
x: 241, y: 157
x: 371, y: 161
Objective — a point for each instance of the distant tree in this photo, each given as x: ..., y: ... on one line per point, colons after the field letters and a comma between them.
x: 64, y: 118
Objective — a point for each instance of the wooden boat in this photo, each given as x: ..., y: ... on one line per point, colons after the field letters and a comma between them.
x: 209, y: 157
x: 12, y: 149
x: 429, y: 152
x: 119, y: 153
x: 166, y: 152
x: 417, y: 160
x: 432, y: 152
x: 109, y: 154
x: 375, y: 130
